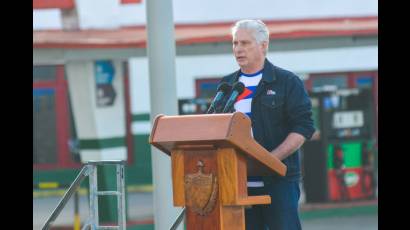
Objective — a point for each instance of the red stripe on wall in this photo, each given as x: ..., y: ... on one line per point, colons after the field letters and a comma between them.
x: 130, y: 1
x: 48, y: 4
x: 62, y: 118
x: 128, y: 115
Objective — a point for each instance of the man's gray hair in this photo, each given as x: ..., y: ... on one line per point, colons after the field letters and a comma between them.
x: 259, y: 29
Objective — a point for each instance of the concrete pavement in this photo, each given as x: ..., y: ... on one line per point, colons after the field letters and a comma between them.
x: 140, y: 209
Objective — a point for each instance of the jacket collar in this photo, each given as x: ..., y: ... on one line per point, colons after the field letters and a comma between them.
x: 268, y: 72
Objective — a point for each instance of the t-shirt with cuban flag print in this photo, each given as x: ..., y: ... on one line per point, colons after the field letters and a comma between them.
x: 243, y: 104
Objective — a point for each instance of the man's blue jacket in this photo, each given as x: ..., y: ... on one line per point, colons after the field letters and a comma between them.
x: 280, y: 106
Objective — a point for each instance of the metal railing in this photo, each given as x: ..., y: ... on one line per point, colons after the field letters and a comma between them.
x: 178, y: 220
x: 56, y: 185
x: 90, y: 169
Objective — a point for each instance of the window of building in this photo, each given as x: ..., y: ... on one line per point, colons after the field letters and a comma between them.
x: 324, y: 82
x: 44, y: 126
x: 206, y: 88
x: 53, y: 133
x: 364, y: 82
x: 343, y: 80
x: 44, y: 73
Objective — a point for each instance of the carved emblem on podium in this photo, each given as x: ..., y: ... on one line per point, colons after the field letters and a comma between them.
x: 201, y: 191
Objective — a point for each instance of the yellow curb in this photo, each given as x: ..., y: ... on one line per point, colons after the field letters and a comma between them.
x: 40, y: 193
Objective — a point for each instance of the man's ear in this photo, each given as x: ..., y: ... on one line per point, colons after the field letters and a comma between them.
x: 265, y: 45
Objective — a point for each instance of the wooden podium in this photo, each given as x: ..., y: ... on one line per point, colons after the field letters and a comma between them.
x: 211, y: 156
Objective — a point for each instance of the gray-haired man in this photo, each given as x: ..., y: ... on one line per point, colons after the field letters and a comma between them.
x: 280, y: 110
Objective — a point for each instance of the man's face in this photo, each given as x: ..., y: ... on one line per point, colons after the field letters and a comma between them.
x: 248, y: 53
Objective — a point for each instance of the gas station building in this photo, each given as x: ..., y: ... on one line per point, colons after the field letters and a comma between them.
x: 91, y: 84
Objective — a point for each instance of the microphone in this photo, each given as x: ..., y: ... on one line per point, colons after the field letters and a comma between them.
x: 237, y: 89
x: 222, y: 90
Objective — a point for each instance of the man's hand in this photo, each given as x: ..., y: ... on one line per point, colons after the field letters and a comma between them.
x: 292, y: 142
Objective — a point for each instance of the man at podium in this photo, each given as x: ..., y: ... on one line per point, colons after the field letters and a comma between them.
x: 280, y: 111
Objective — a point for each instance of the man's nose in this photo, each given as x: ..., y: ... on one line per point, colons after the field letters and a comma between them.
x: 238, y: 49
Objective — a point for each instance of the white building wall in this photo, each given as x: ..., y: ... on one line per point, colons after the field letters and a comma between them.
x: 188, y: 11
x: 47, y: 19
x: 114, y: 113
x: 139, y: 85
x: 98, y: 13
x: 110, y: 13
x: 92, y: 120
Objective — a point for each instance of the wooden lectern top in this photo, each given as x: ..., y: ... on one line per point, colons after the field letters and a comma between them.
x: 212, y: 131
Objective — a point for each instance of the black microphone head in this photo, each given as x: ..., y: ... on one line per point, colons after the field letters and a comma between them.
x: 237, y: 90
x: 224, y: 87
x: 238, y: 86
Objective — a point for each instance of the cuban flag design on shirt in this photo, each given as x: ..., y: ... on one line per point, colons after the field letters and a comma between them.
x: 244, y: 101
x: 243, y: 104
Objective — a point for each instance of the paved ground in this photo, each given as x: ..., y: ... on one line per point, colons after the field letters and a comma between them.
x: 140, y: 208
x: 362, y: 222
